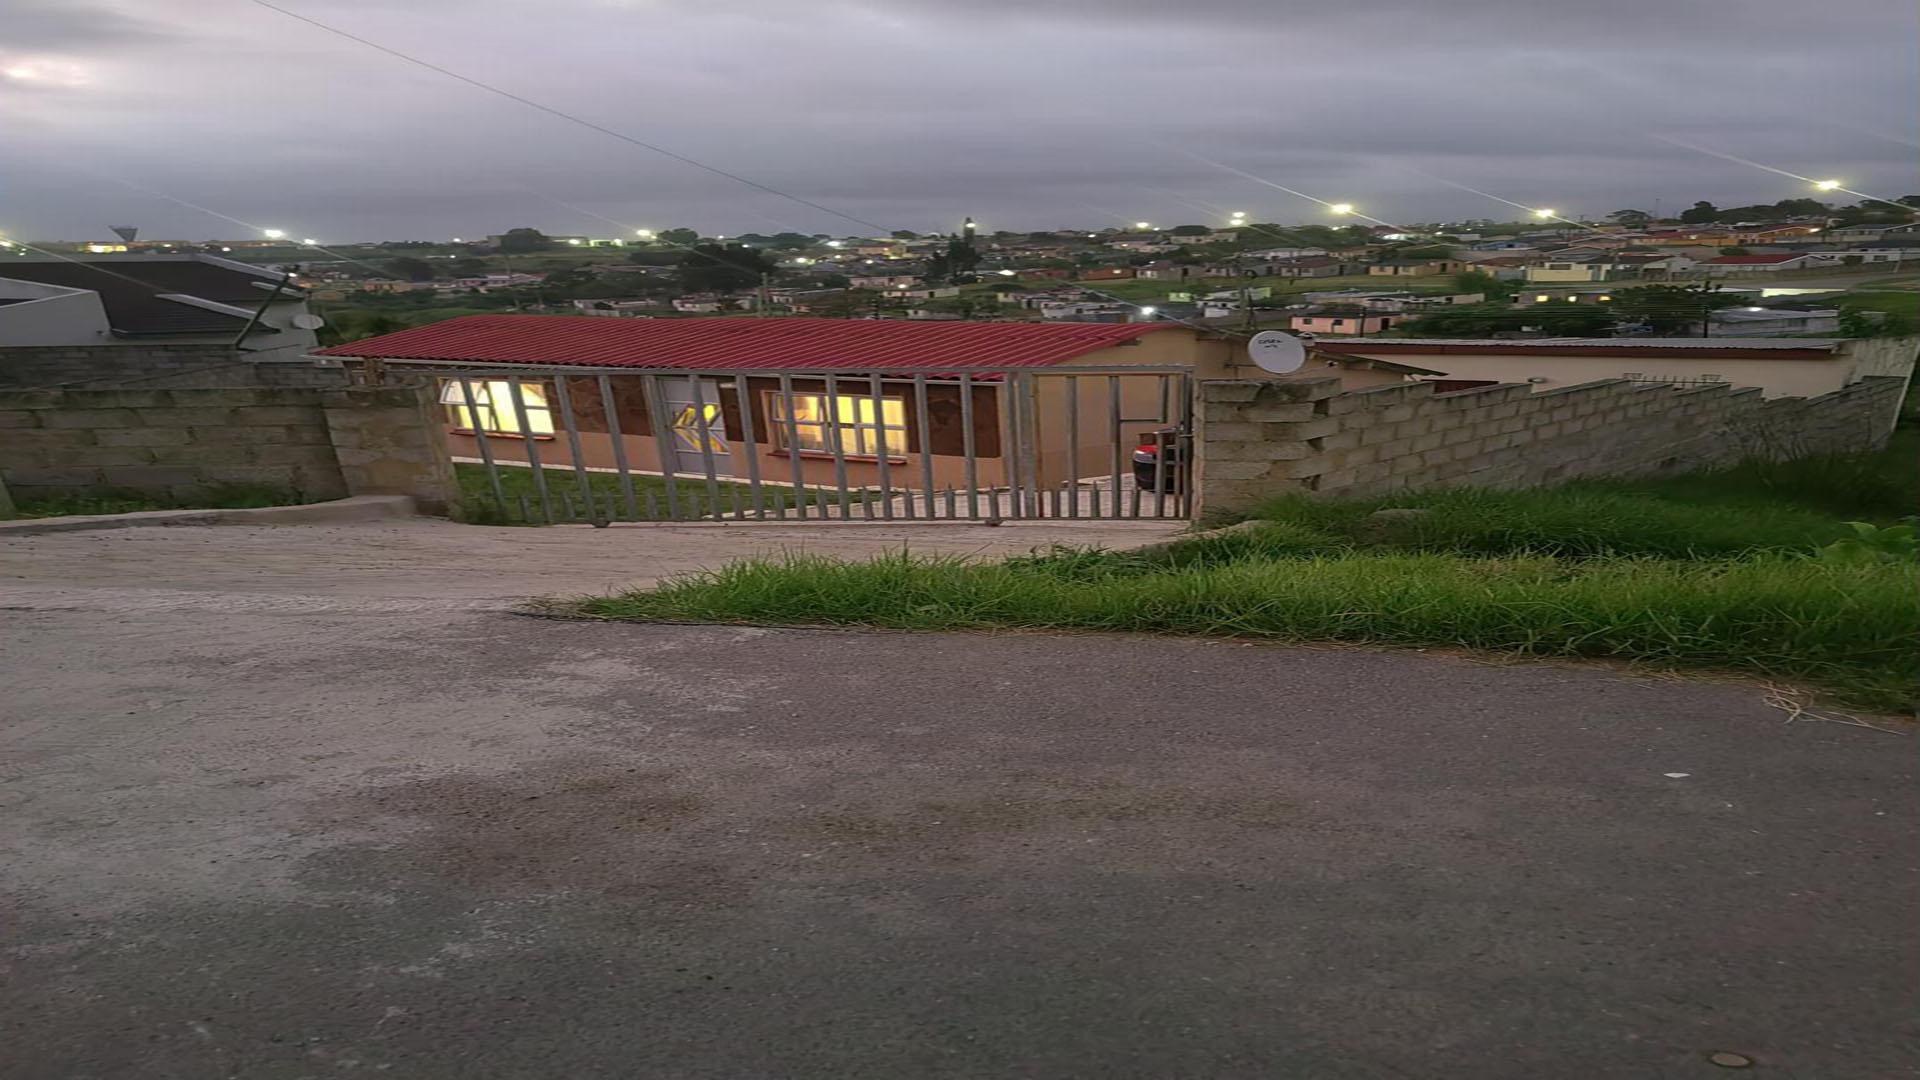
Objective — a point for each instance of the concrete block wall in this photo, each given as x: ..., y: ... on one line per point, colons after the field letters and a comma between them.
x: 155, y: 365
x: 181, y: 444
x: 1258, y: 439
x: 392, y: 440
x: 174, y: 444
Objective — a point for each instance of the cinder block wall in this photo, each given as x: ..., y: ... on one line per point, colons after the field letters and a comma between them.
x: 1258, y: 439
x: 182, y: 444
x: 151, y: 366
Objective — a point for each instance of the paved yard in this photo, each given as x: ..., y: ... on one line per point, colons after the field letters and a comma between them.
x: 423, y: 562
x: 276, y: 831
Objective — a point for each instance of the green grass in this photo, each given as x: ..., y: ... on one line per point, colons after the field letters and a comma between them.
x: 223, y: 497
x: 480, y: 507
x: 1850, y: 629
x: 1716, y: 571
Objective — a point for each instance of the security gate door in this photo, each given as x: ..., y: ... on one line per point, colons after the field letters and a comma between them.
x: 699, y: 429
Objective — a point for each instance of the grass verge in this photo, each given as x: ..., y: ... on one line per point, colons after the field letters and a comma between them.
x: 1849, y: 629
x: 226, y: 497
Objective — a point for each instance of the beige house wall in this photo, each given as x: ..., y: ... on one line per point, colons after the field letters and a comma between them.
x: 1775, y: 377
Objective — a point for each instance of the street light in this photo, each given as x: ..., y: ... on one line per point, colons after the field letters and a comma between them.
x: 1143, y: 224
x: 273, y: 234
x: 1340, y: 208
x: 644, y: 234
x: 1544, y: 213
x: 1148, y: 310
x: 310, y: 241
x: 1826, y: 185
x: 1009, y: 273
x: 835, y: 244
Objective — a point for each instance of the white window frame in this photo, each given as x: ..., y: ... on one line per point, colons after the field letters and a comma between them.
x: 497, y: 418
x: 859, y: 438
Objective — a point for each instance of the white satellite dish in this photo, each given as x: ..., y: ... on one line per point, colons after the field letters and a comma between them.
x: 307, y: 320
x: 1277, y: 351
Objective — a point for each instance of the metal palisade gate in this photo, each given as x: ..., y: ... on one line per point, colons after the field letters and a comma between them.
x: 555, y: 444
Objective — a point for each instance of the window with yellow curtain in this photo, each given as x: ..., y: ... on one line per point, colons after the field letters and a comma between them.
x: 492, y: 409
x: 866, y: 426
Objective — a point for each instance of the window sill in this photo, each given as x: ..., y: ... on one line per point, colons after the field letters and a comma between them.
x: 500, y: 434
x: 827, y: 455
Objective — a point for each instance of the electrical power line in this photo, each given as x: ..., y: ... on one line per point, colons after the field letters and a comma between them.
x: 569, y: 117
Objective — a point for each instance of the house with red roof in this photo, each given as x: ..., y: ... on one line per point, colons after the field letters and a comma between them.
x: 823, y: 401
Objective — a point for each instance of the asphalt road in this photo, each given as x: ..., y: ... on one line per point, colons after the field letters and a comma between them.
x: 243, y: 839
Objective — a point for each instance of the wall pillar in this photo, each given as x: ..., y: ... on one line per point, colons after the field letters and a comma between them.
x: 392, y: 440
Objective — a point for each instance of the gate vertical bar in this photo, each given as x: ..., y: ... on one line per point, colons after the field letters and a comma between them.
x: 793, y: 447
x: 839, y: 451
x: 619, y: 440
x: 533, y: 448
x: 1113, y: 424
x: 1009, y: 462
x: 564, y: 397
x: 480, y: 440
x: 705, y: 427
x: 744, y: 395
x: 926, y: 443
x: 1184, y: 464
x: 881, y: 452
x: 1161, y: 445
x: 663, y: 442
x: 1030, y: 436
x: 971, y: 461
x: 1073, y: 446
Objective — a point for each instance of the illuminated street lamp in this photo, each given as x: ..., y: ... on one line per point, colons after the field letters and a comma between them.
x: 1545, y: 212
x: 644, y: 234
x: 1008, y: 273
x: 310, y: 242
x: 273, y: 234
x: 835, y: 244
x: 1340, y: 208
x: 1826, y: 185
x: 1143, y: 224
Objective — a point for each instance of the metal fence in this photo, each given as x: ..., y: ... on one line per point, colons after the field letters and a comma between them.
x: 554, y: 444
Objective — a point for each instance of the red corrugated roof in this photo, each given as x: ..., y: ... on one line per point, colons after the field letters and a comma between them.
x: 745, y: 343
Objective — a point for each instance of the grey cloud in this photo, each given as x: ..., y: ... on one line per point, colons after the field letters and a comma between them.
x: 1025, y: 113
x: 62, y: 25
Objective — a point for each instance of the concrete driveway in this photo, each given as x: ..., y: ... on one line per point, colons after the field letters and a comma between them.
x: 265, y: 831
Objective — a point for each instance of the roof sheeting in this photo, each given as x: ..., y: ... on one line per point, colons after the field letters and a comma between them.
x: 1699, y: 348
x: 727, y: 344
x: 135, y: 291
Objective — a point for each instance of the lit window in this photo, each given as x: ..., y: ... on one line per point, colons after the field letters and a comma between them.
x: 492, y: 409
x: 868, y: 427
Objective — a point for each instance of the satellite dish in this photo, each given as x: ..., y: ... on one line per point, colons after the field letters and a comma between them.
x: 1277, y: 351
x: 307, y: 320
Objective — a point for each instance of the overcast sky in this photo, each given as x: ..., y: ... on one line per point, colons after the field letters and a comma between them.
x: 912, y: 113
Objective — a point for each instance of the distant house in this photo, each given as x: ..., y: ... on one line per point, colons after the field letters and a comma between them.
x: 1861, y: 234
x: 1774, y: 234
x: 1284, y: 253
x: 1878, y: 252
x: 923, y: 292
x: 131, y: 299
x: 1143, y: 243
x: 882, y: 281
x: 1581, y: 268
x: 1046, y: 273
x: 1764, y: 264
x: 1507, y: 244
x: 1774, y: 322
x: 1169, y: 271
x: 1350, y: 323
x: 1414, y: 267
x: 1304, y: 266
x: 1780, y: 367
x: 1106, y: 273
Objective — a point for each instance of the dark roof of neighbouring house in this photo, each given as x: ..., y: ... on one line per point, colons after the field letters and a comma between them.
x: 728, y: 344
x: 135, y: 290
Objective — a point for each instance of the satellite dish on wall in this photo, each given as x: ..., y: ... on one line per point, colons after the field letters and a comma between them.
x: 1277, y: 351
x: 307, y: 320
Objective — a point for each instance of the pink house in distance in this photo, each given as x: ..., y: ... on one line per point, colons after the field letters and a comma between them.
x: 1352, y: 324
